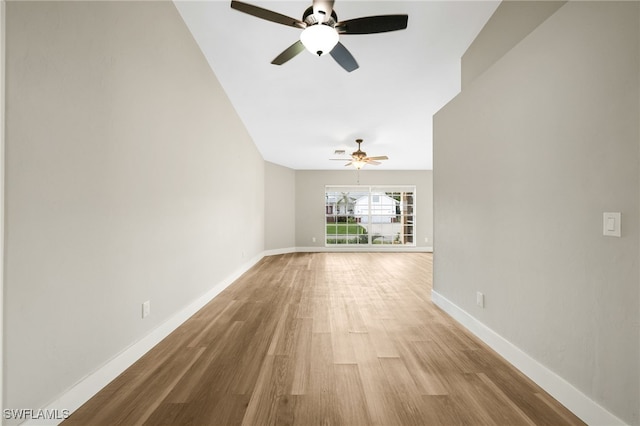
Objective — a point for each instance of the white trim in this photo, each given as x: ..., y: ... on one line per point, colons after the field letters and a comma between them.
x: 577, y: 402
x: 364, y: 248
x: 280, y: 251
x: 351, y: 249
x: 87, y: 387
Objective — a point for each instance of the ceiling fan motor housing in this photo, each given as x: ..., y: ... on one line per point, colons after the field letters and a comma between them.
x: 311, y: 19
x: 359, y: 154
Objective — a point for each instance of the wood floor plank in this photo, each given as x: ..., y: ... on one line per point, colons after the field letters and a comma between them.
x: 321, y: 375
x: 319, y: 404
x: 219, y: 409
x: 302, y: 357
x: 324, y: 339
x: 495, y: 390
x: 374, y: 382
x: 169, y: 413
x: 383, y: 343
x: 353, y: 410
x: 446, y: 410
x: 428, y: 381
x: 403, y: 390
x: 342, y: 348
x: 321, y: 315
x: 270, y: 400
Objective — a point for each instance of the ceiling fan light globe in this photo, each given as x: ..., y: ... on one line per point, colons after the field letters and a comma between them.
x: 319, y: 39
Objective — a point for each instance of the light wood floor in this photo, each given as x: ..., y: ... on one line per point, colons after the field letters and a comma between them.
x: 324, y: 339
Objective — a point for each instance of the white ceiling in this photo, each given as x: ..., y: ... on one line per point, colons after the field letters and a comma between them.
x: 299, y: 113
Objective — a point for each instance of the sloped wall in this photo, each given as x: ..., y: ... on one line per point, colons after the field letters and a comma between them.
x: 510, y: 23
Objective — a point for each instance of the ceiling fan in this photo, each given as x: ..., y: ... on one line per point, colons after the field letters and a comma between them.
x: 321, y: 30
x: 359, y: 158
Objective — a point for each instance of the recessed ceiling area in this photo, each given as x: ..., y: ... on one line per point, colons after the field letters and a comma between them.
x: 299, y: 113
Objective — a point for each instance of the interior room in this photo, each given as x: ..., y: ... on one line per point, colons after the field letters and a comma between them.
x: 157, y: 154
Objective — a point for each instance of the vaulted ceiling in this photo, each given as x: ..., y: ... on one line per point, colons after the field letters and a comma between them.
x: 301, y: 112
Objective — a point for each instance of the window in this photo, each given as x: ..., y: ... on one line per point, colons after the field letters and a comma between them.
x: 370, y: 215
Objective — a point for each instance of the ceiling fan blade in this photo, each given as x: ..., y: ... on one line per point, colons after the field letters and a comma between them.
x: 289, y: 53
x: 267, y: 14
x: 323, y: 8
x: 381, y: 157
x: 344, y: 57
x: 374, y: 163
x: 348, y: 164
x: 372, y: 24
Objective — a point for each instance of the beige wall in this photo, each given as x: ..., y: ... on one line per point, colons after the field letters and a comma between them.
x: 527, y: 158
x: 2, y: 168
x: 280, y: 214
x: 310, y: 185
x: 129, y: 177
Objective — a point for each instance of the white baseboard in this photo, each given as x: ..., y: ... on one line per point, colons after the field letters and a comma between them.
x: 323, y: 249
x: 392, y: 249
x: 280, y: 251
x: 86, y: 388
x: 576, y: 401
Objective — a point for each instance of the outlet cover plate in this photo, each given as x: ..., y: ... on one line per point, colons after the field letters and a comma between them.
x: 146, y: 309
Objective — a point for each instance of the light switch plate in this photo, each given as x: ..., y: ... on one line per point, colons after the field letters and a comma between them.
x: 146, y: 309
x: 611, y: 224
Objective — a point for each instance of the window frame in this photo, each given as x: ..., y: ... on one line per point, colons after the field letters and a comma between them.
x: 406, y: 217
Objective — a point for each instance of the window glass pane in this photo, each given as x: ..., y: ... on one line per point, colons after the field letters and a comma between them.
x: 364, y: 215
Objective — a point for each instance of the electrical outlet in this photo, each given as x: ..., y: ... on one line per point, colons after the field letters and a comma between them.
x: 480, y: 299
x: 313, y: 239
x: 146, y: 309
x: 426, y: 239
